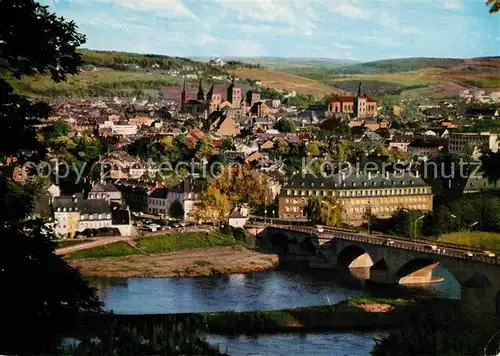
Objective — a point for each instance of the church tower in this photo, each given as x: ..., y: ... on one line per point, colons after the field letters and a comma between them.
x: 184, y: 95
x: 201, y: 93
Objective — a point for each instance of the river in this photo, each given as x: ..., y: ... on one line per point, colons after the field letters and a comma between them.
x: 275, y: 289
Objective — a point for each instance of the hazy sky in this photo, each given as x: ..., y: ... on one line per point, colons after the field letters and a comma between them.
x: 360, y: 30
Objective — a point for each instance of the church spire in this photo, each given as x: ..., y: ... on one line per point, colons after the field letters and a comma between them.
x: 201, y: 93
x: 184, y: 96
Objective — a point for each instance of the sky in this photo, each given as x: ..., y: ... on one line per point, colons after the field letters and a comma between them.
x: 359, y: 30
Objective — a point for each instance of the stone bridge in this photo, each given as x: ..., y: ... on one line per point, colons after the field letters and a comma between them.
x: 389, y: 260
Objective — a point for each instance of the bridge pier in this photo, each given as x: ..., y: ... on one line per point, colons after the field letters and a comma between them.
x: 479, y: 303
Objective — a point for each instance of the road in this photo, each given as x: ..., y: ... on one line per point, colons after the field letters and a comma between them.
x: 446, y: 249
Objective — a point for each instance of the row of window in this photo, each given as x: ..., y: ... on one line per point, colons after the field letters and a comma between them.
x: 358, y: 193
x: 379, y: 209
x: 364, y: 184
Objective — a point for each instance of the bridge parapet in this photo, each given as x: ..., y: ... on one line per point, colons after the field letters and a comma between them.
x: 446, y: 249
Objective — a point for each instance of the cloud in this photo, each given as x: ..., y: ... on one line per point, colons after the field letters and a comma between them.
x: 268, y: 29
x: 297, y: 14
x: 453, y: 5
x: 377, y: 40
x: 345, y: 9
x: 344, y: 46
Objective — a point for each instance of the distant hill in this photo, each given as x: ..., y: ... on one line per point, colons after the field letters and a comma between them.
x: 276, y: 63
x: 397, y: 65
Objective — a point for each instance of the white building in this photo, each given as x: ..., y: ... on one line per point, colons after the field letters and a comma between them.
x: 188, y: 192
x: 73, y: 214
x: 238, y: 217
x: 106, y: 191
x: 157, y: 202
x: 458, y: 143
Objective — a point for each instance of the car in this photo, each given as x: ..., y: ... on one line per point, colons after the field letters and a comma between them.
x: 320, y: 228
x: 431, y: 247
x: 469, y: 254
x: 390, y: 241
x: 489, y: 253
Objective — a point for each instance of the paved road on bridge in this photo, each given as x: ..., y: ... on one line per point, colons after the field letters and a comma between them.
x: 445, y: 249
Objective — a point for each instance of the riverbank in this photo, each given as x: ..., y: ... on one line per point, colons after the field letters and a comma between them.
x: 356, y: 314
x: 184, y: 263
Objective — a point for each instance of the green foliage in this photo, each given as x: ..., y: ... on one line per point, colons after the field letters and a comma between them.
x: 270, y: 93
x: 172, y: 335
x: 243, y: 321
x: 488, y: 241
x: 300, y: 101
x: 181, y: 241
x: 285, y: 125
x: 323, y: 211
x: 483, y: 82
x: 115, y: 249
x: 397, y: 65
x: 125, y: 61
x: 176, y: 210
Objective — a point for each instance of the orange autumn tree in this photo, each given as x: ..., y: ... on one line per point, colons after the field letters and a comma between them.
x: 231, y: 188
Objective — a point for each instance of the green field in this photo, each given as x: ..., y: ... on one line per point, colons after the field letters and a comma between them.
x: 115, y: 249
x: 68, y: 243
x: 160, y: 244
x: 489, y: 241
x: 101, y: 82
x: 483, y: 82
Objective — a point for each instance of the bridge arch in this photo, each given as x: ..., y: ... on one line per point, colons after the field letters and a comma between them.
x: 416, y: 271
x: 280, y: 243
x: 354, y: 256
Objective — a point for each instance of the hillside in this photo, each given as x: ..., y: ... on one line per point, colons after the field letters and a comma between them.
x: 288, y: 82
x: 397, y: 65
x: 276, y: 63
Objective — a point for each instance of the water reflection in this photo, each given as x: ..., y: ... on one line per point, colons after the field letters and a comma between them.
x: 338, y: 344
x: 253, y: 291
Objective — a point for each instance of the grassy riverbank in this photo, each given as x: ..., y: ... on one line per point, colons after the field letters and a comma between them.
x: 161, y: 244
x: 354, y: 314
x: 175, y: 255
x: 486, y: 240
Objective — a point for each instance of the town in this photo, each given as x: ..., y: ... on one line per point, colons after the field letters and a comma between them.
x: 272, y: 178
x: 126, y: 144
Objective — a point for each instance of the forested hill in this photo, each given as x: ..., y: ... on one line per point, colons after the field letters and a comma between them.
x: 397, y: 65
x: 121, y: 60
x: 136, y: 61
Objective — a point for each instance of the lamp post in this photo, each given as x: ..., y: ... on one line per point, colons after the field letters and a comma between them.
x: 265, y: 210
x: 412, y: 223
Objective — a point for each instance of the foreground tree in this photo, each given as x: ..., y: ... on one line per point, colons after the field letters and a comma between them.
x: 41, y: 295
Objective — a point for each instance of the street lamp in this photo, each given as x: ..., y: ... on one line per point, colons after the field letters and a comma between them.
x: 412, y: 223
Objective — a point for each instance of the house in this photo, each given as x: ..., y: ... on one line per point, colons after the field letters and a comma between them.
x: 400, y: 142
x: 106, y: 191
x: 224, y: 127
x: 73, y: 214
x: 135, y: 194
x: 357, y: 193
x: 460, y: 143
x: 157, y: 201
x: 187, y: 193
x: 238, y: 217
x: 425, y: 148
x: 267, y: 145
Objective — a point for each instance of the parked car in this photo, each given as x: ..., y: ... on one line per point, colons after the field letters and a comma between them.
x: 390, y: 241
x: 469, y: 254
x: 320, y: 228
x: 489, y: 253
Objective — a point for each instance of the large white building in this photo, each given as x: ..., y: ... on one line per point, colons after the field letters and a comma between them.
x: 459, y: 143
x: 73, y: 214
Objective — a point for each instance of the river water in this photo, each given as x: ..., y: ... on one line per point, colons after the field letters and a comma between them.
x: 275, y: 289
